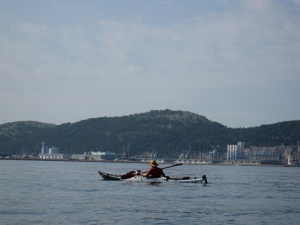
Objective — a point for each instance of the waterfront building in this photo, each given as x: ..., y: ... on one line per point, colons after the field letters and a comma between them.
x: 103, y: 155
x: 235, y: 151
x: 55, y: 156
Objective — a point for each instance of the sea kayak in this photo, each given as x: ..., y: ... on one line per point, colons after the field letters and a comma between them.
x: 130, y: 176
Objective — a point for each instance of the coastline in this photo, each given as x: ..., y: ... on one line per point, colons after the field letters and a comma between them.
x: 275, y: 163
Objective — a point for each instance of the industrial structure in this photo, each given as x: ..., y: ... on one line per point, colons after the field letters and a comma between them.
x: 53, y: 153
x: 103, y: 155
x: 52, y: 150
x: 235, y: 151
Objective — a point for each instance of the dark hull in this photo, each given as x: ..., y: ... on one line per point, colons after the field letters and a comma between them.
x: 108, y: 176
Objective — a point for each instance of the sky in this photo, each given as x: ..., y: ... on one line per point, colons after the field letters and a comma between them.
x: 236, y: 62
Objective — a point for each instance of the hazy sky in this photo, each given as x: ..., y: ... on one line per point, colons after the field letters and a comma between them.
x: 237, y: 62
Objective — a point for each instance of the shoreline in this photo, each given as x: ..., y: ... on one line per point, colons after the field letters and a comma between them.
x: 274, y: 163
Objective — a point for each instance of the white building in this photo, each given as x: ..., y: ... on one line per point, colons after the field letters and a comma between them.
x: 58, y: 156
x: 235, y: 151
x: 104, y: 155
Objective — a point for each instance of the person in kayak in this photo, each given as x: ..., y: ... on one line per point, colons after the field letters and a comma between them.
x: 154, y: 172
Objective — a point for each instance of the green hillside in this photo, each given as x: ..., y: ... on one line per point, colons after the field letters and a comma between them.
x: 167, y: 132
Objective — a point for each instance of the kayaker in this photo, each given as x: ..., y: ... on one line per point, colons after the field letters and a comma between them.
x: 154, y: 172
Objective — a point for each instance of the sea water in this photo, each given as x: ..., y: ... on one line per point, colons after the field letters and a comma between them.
x: 53, y: 192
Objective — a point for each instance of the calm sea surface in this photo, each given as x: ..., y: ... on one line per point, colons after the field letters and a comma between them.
x: 43, y: 192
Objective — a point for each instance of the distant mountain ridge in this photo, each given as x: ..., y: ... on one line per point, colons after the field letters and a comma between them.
x: 166, y: 132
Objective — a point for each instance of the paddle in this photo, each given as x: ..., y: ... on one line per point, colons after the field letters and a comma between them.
x: 178, y: 164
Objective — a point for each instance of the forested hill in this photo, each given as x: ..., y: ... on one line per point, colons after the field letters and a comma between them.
x: 167, y: 132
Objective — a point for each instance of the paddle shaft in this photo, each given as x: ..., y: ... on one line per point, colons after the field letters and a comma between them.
x: 178, y: 164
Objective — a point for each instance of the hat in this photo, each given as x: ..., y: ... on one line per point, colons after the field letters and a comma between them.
x: 153, y: 163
